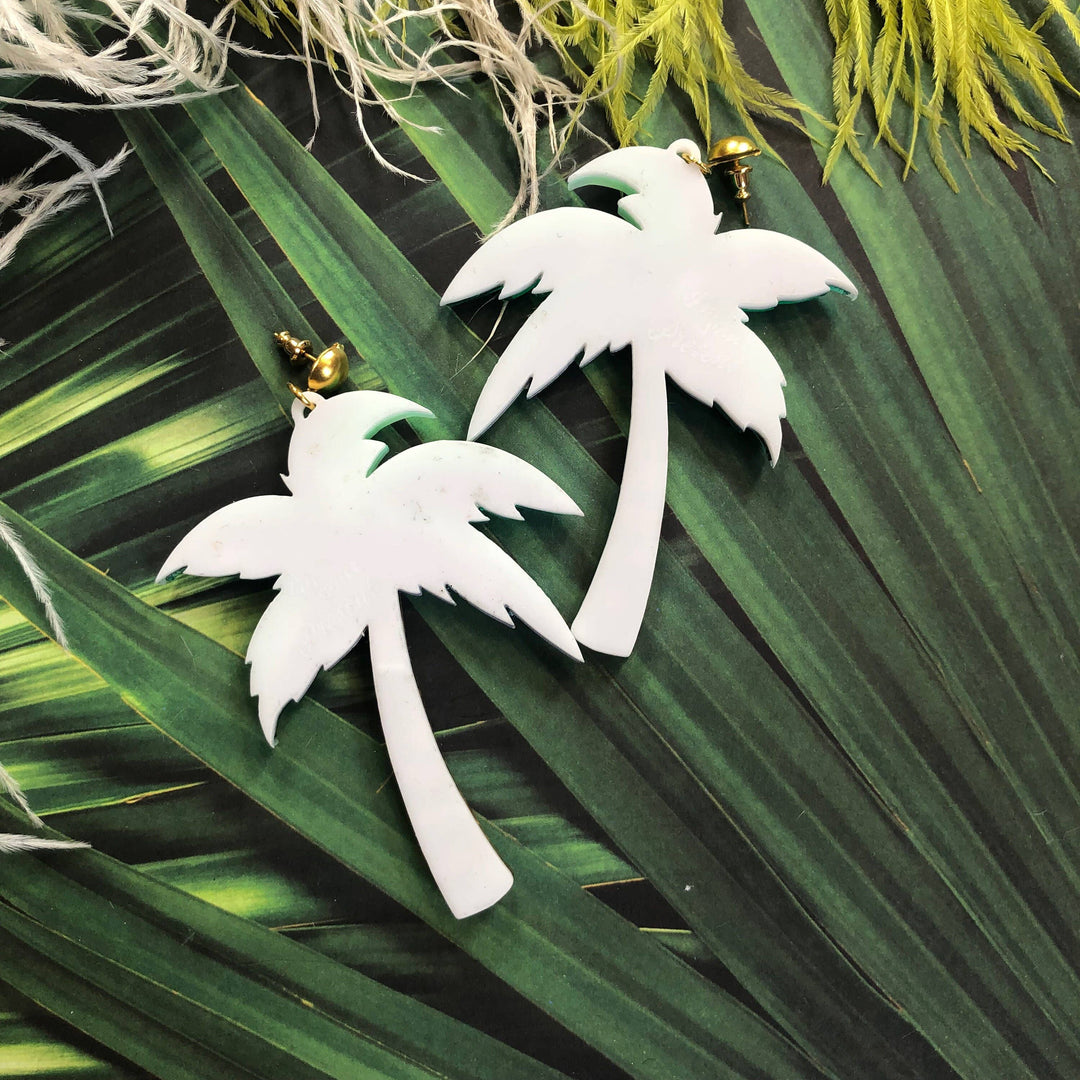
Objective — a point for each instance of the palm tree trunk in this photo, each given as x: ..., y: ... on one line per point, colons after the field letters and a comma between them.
x: 470, y: 875
x: 610, y: 615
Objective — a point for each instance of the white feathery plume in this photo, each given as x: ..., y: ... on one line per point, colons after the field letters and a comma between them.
x: 46, y: 38
x: 377, y: 46
x: 373, y: 48
x: 525, y: 94
x: 33, y: 203
x: 38, y: 582
x: 12, y: 842
x: 11, y: 786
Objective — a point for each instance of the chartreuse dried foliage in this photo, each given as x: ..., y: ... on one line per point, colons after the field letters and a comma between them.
x: 976, y: 56
x: 978, y: 53
x: 606, y: 43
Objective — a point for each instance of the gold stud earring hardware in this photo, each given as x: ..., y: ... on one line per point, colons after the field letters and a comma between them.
x: 727, y: 156
x: 328, y: 370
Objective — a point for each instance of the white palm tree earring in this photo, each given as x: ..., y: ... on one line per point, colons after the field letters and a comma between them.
x: 659, y: 278
x: 349, y: 538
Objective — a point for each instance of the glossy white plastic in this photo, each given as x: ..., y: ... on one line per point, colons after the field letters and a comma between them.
x: 660, y: 279
x: 352, y: 536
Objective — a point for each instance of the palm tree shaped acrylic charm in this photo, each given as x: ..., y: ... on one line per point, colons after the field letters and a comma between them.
x: 349, y: 538
x: 658, y: 278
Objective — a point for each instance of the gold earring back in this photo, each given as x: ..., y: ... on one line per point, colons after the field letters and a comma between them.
x: 727, y: 156
x: 328, y: 370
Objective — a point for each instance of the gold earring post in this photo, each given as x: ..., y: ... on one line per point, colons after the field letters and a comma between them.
x: 328, y: 370
x: 727, y: 155
x: 701, y: 166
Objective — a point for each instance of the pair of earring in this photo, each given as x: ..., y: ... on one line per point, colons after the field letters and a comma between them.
x: 353, y: 534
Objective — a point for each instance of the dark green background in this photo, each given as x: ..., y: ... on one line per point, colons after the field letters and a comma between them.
x: 838, y: 775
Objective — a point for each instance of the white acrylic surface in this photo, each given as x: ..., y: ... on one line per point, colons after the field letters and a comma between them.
x: 349, y: 538
x: 660, y: 279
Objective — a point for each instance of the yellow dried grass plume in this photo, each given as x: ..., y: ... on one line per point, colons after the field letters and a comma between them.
x: 975, y: 57
x: 977, y: 54
x: 605, y: 44
x: 972, y: 63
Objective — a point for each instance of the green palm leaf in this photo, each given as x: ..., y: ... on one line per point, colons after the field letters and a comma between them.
x: 242, y: 981
x: 304, y: 780
x: 761, y: 540
x: 291, y: 238
x: 841, y: 752
x: 707, y: 910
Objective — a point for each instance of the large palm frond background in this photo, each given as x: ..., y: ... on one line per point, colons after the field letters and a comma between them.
x: 822, y: 822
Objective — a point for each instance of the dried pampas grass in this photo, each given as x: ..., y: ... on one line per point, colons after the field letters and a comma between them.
x: 31, y: 202
x: 379, y: 52
x: 55, y: 40
x: 38, y: 582
x: 10, y: 786
x: 12, y: 842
